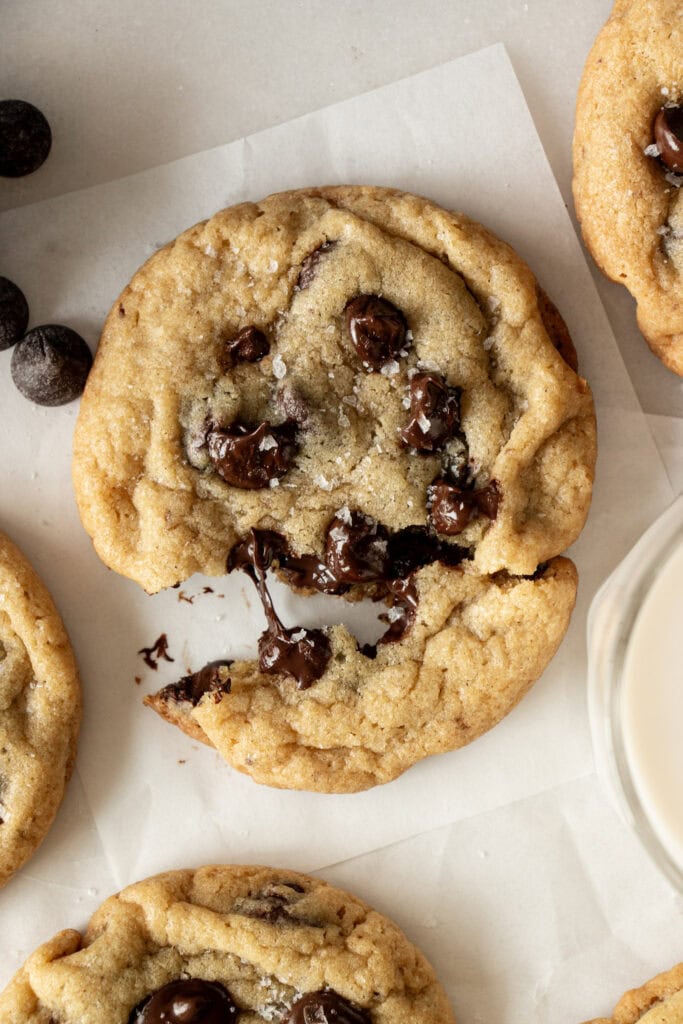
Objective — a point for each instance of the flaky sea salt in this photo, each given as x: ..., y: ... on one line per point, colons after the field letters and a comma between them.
x: 273, y: 482
x: 652, y: 150
x: 267, y: 443
x: 322, y: 482
x: 674, y: 179
x: 210, y: 251
x: 389, y: 369
x: 279, y: 367
x: 423, y: 422
x: 344, y: 514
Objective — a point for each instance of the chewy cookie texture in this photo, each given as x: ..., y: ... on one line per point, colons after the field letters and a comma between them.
x: 628, y: 163
x: 659, y: 1001
x: 40, y: 709
x: 371, y: 396
x: 225, y: 944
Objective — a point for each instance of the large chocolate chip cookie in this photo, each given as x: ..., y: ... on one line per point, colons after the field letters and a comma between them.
x: 372, y: 396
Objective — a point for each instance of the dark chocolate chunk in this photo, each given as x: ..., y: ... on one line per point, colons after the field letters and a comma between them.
x: 452, y: 507
x: 191, y: 1001
x: 302, y: 653
x: 668, y: 134
x: 356, y: 548
x: 377, y: 329
x: 309, y: 267
x: 434, y: 413
x: 248, y: 346
x: 326, y: 1007
x: 250, y: 457
x: 50, y: 365
x: 13, y: 313
x: 487, y: 499
x: 212, y: 678
x: 25, y: 138
x: 415, y: 546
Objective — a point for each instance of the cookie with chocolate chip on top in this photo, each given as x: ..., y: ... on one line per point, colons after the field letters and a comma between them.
x: 40, y: 710
x: 628, y: 164
x: 224, y: 944
x: 372, y: 397
x: 658, y: 1001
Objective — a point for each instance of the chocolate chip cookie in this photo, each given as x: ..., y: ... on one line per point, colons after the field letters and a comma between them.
x: 40, y: 709
x: 224, y: 944
x: 371, y: 396
x: 659, y: 1001
x: 628, y: 164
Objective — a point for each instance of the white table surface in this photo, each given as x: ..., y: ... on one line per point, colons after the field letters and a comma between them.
x: 134, y: 83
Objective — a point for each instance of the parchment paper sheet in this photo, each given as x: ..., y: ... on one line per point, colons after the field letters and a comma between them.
x: 157, y: 799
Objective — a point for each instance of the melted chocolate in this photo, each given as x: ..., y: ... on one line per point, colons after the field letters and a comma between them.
x: 357, y: 548
x: 192, y: 688
x: 326, y: 1007
x: 153, y: 655
x: 309, y: 267
x: 668, y: 134
x: 434, y: 413
x: 248, y: 346
x: 301, y: 653
x: 304, y: 571
x: 190, y: 1001
x: 377, y: 329
x: 452, y: 507
x: 250, y: 457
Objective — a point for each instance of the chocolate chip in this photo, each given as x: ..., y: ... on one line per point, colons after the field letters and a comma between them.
x: 298, y: 652
x: 434, y: 413
x: 668, y: 134
x: 212, y: 678
x: 248, y: 346
x: 309, y: 267
x: 377, y: 329
x: 25, y: 138
x: 356, y: 548
x: 191, y: 1001
x: 13, y: 313
x: 50, y: 365
x: 416, y: 546
x: 487, y: 499
x: 274, y: 903
x: 326, y: 1007
x: 452, y: 507
x: 251, y: 457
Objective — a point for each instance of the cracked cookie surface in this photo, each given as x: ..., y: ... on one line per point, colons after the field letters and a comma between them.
x: 626, y: 185
x: 373, y: 397
x: 40, y: 709
x: 658, y: 1001
x: 268, y: 943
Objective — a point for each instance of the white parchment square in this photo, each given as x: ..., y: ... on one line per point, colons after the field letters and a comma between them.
x: 461, y: 134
